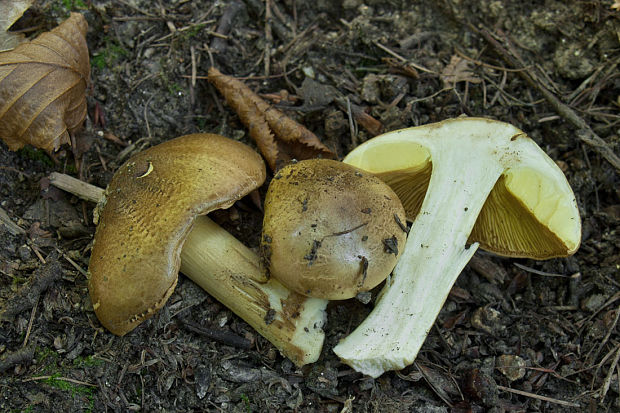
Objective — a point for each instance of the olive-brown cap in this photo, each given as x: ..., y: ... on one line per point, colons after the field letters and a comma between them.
x: 147, y: 211
x: 330, y: 230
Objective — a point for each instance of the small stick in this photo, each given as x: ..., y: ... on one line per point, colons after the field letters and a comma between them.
x: 21, y: 356
x: 538, y: 272
x: 76, y: 187
x: 67, y: 379
x: 223, y: 337
x: 192, y: 51
x: 28, y: 295
x: 611, y: 329
x: 538, y: 396
x: 218, y: 43
x: 607, y: 382
x: 11, y: 226
x: 31, y: 322
x: 268, y: 37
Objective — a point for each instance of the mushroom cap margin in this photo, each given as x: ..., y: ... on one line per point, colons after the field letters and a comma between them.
x: 149, y: 208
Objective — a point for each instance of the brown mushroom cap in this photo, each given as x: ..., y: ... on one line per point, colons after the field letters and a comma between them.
x: 330, y: 230
x: 147, y: 211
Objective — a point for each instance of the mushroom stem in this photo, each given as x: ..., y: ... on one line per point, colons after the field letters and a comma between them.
x: 228, y: 270
x: 291, y: 322
x: 466, y: 163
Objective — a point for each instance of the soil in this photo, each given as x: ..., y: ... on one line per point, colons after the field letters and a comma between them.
x: 514, y: 334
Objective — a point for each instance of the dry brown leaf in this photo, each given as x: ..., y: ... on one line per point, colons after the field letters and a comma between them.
x: 10, y: 12
x: 43, y: 87
x: 458, y: 70
x: 278, y: 137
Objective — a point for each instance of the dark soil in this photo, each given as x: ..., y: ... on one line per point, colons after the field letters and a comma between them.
x: 554, y: 324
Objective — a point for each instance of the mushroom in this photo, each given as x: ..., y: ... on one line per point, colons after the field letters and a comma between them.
x: 489, y: 185
x: 330, y: 230
x: 145, y: 217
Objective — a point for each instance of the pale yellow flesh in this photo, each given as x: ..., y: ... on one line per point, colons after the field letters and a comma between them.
x: 521, y: 194
x: 468, y: 156
x: 226, y: 269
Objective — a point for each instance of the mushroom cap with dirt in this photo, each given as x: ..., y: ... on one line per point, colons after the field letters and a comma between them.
x: 464, y: 182
x: 148, y: 210
x: 330, y: 230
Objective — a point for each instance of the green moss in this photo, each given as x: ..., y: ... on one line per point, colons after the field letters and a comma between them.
x: 86, y: 362
x: 193, y: 30
x: 35, y: 154
x: 246, y: 402
x: 111, y: 52
x: 61, y: 384
x: 73, y: 5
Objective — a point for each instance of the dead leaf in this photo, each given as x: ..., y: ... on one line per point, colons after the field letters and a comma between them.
x: 10, y: 12
x: 43, y: 87
x: 458, y: 70
x: 278, y: 137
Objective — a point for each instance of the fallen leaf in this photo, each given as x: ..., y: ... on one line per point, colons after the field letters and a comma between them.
x: 278, y: 137
x: 10, y: 12
x: 43, y: 87
x: 458, y: 70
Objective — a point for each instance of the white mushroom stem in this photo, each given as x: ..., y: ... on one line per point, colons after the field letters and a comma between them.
x: 228, y: 270
x: 466, y: 164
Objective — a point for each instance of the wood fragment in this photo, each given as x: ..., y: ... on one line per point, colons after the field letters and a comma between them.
x: 610, y: 373
x: 278, y: 137
x: 224, y: 337
x: 60, y: 378
x: 538, y: 396
x: 10, y: 226
x: 77, y: 187
x: 22, y: 356
x: 493, y: 272
x: 27, y: 296
x: 218, y: 44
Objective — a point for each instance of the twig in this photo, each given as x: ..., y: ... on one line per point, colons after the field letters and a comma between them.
x: 402, y: 59
x: 73, y: 263
x: 611, y: 329
x: 76, y: 187
x: 31, y: 322
x: 607, y: 382
x: 21, y: 356
x: 192, y: 84
x: 268, y: 37
x: 538, y: 396
x: 11, y: 226
x: 59, y: 378
x: 440, y: 393
x: 538, y: 272
x: 224, y: 337
x: 28, y: 295
x: 218, y: 43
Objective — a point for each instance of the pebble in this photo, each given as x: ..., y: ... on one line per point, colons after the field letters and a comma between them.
x: 513, y: 367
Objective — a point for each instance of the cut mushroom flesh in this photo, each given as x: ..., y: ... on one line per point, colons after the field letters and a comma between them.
x: 532, y: 212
